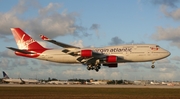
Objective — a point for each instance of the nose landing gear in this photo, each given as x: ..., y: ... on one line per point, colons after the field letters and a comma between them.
x: 153, y: 66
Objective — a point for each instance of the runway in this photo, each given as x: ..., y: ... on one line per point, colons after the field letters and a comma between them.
x: 90, y: 86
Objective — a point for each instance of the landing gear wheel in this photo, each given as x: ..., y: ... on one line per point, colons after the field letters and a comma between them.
x: 152, y: 66
x: 99, y: 67
x: 97, y: 70
x: 88, y: 68
x: 93, y: 67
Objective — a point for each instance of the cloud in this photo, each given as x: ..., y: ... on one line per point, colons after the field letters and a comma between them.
x: 5, y: 64
x: 174, y: 14
x: 34, y: 62
x: 165, y: 6
x: 11, y: 61
x: 78, y: 43
x: 166, y: 68
x: 8, y: 54
x: 95, y: 27
x: 49, y: 21
x: 82, y: 72
x: 116, y: 41
x: 19, y: 62
x: 51, y: 7
x: 131, y: 69
x: 136, y: 67
x: 170, y: 3
x: 168, y: 34
x: 168, y: 76
x: 176, y: 58
x: 165, y: 60
x: 33, y: 69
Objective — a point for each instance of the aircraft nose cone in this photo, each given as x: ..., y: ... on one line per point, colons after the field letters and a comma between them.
x: 168, y: 53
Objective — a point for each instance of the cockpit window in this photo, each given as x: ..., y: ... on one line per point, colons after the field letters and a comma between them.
x: 157, y: 46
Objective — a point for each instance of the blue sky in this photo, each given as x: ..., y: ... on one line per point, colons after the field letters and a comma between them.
x: 92, y: 23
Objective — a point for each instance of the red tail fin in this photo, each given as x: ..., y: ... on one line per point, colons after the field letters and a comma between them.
x: 24, y: 41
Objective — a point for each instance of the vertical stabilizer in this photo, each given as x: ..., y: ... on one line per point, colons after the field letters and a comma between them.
x: 5, y: 76
x: 24, y: 41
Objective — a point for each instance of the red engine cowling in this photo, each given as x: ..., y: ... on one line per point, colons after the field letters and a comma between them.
x: 86, y: 53
x: 111, y: 59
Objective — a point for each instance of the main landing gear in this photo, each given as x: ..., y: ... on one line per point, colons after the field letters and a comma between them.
x: 96, y: 68
x: 153, y: 66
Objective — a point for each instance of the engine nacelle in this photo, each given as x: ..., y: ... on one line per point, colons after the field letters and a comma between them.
x: 86, y: 53
x: 111, y: 59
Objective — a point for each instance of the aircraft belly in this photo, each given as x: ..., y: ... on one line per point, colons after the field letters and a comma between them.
x: 141, y: 58
x: 144, y: 57
x: 135, y: 58
x: 66, y: 59
x: 60, y: 58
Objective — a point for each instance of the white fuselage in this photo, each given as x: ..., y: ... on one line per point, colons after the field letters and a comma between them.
x: 130, y: 53
x: 11, y: 80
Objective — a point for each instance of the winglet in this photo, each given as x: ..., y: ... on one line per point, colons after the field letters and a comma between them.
x: 44, y: 37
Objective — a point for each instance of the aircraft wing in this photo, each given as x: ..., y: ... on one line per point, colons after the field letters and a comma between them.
x: 19, y: 50
x: 57, y: 43
x: 79, y: 53
x: 97, y: 56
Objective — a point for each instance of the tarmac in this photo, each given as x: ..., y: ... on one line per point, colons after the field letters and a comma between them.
x: 89, y: 86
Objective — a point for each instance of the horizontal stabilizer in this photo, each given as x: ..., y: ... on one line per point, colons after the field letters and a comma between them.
x: 21, y: 51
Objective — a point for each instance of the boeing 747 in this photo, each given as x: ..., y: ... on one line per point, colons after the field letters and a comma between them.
x: 93, y: 58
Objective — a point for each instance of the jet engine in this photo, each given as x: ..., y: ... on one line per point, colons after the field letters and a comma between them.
x: 86, y: 53
x: 111, y: 59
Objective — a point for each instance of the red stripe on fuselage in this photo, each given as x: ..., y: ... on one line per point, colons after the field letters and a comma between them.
x: 36, y: 52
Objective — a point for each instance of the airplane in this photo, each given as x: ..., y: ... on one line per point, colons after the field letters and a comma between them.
x: 11, y: 80
x: 19, y: 81
x: 63, y: 82
x: 56, y: 82
x: 93, y: 58
x: 154, y: 83
x: 98, y: 83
